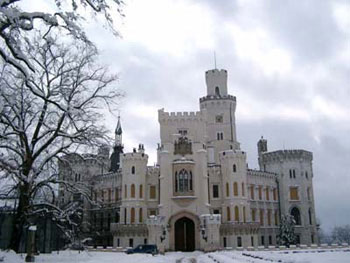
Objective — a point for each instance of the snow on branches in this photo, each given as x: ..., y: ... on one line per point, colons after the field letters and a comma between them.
x: 15, y: 24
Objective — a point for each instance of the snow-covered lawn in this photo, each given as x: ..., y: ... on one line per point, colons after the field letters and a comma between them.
x: 297, y: 256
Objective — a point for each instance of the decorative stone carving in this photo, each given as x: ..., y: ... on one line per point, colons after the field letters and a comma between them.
x: 183, y: 146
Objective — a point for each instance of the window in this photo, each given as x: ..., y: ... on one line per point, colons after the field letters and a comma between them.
x: 220, y: 136
x: 116, y: 194
x: 252, y: 241
x: 253, y: 214
x: 141, y: 191
x: 308, y: 194
x: 262, y: 217
x: 217, y: 91
x: 267, y: 191
x: 234, y: 168
x: 131, y: 242
x: 294, y: 193
x: 270, y: 240
x: 219, y: 119
x: 295, y: 213
x: 275, y: 194
x: 132, y: 191
x: 244, y: 217
x: 125, y: 191
x: 228, y: 211
x: 132, y: 215
x: 243, y: 189
x: 183, y: 181
x: 133, y: 170
x: 183, y: 132
x: 239, y: 241
x: 260, y: 192
x: 225, y: 242
x: 290, y: 173
x: 310, y: 216
x: 152, y: 192
x: 227, y: 190
x: 252, y: 192
x: 269, y: 217
x: 140, y: 215
x: 117, y: 217
x: 152, y: 212
x: 276, y: 218
x: 262, y: 240
x: 216, y: 212
x: 235, y: 189
x: 236, y: 214
x: 306, y: 175
x: 215, y: 191
x: 293, y: 173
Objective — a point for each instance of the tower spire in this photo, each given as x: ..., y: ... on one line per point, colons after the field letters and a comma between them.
x: 118, y: 133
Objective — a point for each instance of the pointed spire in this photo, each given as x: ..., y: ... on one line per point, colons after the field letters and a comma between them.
x: 118, y: 129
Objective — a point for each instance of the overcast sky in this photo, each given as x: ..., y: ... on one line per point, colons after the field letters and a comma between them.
x: 288, y: 64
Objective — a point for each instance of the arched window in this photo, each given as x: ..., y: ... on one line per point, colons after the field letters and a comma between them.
x: 234, y: 168
x: 295, y: 213
x: 236, y: 214
x: 217, y: 91
x: 132, y: 191
x: 141, y: 191
x: 190, y: 179
x: 228, y: 213
x: 227, y: 190
x: 310, y: 216
x: 132, y: 215
x: 133, y: 170
x: 235, y: 189
x: 183, y: 181
x: 243, y: 189
x: 140, y: 215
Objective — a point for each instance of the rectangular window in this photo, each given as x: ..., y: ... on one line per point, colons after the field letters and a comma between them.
x: 294, y: 193
x: 253, y: 215
x: 225, y: 242
x: 269, y: 217
x: 275, y: 194
x: 276, y: 218
x: 260, y: 192
x: 145, y: 241
x: 262, y: 217
x: 216, y: 212
x: 252, y: 192
x: 267, y: 193
x: 239, y: 241
x: 270, y: 240
x: 252, y: 241
x: 262, y: 240
x: 215, y: 191
x: 152, y: 192
x: 131, y: 242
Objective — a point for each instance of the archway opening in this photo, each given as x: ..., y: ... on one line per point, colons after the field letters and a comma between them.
x: 296, y: 215
x: 184, y: 234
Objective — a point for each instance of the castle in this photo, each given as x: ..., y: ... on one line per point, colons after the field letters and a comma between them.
x: 200, y: 195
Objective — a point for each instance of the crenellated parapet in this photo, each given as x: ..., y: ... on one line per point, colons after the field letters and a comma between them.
x: 261, y: 174
x: 218, y: 99
x: 232, y: 154
x: 179, y: 116
x: 283, y: 155
x: 134, y: 156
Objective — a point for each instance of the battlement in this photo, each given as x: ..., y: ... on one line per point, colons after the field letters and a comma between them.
x: 232, y: 154
x: 174, y: 116
x: 258, y: 173
x: 216, y: 81
x: 216, y: 97
x: 133, y: 156
x: 283, y: 155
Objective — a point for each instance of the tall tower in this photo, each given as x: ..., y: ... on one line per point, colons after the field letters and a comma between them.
x: 220, y: 110
x: 118, y: 147
x: 262, y: 148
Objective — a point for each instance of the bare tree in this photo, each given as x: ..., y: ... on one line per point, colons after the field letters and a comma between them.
x: 15, y: 23
x: 43, y: 115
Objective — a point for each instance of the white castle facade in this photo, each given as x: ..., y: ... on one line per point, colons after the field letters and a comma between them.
x: 200, y: 195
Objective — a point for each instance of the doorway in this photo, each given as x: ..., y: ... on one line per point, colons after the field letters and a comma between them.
x: 184, y: 234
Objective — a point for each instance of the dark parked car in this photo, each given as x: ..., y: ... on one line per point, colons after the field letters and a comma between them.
x: 150, y: 249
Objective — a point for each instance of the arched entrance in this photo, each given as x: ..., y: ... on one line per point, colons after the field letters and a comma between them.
x: 184, y: 234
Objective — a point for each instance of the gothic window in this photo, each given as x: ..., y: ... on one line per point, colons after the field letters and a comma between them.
x: 236, y: 214
x: 215, y: 191
x: 132, y: 215
x: 132, y: 190
x: 235, y: 189
x: 133, y: 170
x: 293, y: 173
x: 176, y: 182
x: 243, y: 189
x: 294, y: 193
x: 183, y: 181
x: 220, y: 136
x: 141, y: 191
x: 228, y: 213
x: 234, y: 168
x: 227, y: 190
x: 217, y: 91
x: 290, y: 173
x: 295, y: 213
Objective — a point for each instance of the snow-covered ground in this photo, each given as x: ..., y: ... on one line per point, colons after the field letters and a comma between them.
x: 297, y: 256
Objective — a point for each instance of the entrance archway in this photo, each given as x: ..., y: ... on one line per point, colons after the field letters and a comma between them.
x: 184, y: 234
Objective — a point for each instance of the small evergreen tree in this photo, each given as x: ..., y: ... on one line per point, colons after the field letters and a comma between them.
x: 286, y: 234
